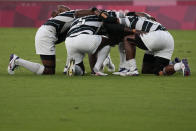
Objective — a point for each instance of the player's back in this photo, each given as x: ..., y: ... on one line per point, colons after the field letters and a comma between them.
x: 86, y: 25
x: 62, y: 21
x: 141, y: 23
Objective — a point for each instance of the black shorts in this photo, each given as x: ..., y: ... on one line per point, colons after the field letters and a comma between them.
x: 153, y: 64
x: 48, y: 57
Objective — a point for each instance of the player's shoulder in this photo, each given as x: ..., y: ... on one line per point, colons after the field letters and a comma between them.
x: 91, y: 17
x: 68, y: 13
x: 132, y: 17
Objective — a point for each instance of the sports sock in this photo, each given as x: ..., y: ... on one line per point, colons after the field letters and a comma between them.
x: 31, y: 66
x: 101, y: 56
x: 106, y: 61
x: 110, y: 63
x: 177, y: 66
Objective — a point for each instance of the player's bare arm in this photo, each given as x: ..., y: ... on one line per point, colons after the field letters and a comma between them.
x: 81, y: 13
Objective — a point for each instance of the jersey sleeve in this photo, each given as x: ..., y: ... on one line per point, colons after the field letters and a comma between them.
x: 116, y: 14
x: 124, y: 21
x: 120, y: 14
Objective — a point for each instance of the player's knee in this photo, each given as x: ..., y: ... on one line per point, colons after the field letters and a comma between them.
x: 148, y: 64
x: 147, y: 69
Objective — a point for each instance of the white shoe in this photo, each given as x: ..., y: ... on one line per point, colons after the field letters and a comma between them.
x: 132, y: 73
x: 12, y: 65
x: 118, y: 72
x: 65, y: 70
x: 185, y: 68
x: 124, y: 72
x: 71, y: 68
x: 100, y: 74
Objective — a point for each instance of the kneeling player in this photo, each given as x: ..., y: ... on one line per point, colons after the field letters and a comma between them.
x: 82, y: 39
x: 48, y: 35
x: 45, y: 40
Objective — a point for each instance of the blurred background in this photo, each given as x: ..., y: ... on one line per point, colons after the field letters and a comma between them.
x: 173, y: 14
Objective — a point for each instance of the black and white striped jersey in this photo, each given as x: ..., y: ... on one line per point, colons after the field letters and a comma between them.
x: 115, y: 14
x: 85, y: 25
x: 141, y: 23
x: 62, y: 21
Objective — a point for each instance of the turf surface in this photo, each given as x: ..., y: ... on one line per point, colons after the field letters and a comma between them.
x: 46, y: 103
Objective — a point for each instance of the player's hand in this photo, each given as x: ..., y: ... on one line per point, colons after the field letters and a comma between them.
x: 152, y: 18
x: 139, y: 32
x: 94, y: 9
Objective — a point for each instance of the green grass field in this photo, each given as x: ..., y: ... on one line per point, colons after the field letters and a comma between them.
x: 59, y: 103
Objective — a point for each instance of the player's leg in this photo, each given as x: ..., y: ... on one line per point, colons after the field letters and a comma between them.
x: 163, y: 46
x: 109, y: 64
x: 66, y: 66
x: 48, y: 66
x: 92, y: 61
x: 148, y: 63
x: 151, y: 63
x: 31, y: 66
x: 102, y: 52
x: 122, y: 59
x: 49, y: 62
x: 122, y: 55
x: 44, y: 45
x: 85, y: 43
x: 75, y: 54
x: 130, y: 51
x: 75, y: 68
x: 162, y: 67
x: 101, y: 56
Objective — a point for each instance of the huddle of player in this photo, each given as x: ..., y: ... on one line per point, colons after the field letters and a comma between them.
x: 94, y: 32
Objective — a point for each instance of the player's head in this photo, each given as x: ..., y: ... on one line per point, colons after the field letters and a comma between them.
x: 62, y: 8
x: 130, y: 14
x: 54, y: 13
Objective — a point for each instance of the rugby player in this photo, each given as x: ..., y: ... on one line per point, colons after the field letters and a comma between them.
x: 82, y: 38
x: 48, y: 35
x: 121, y: 45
